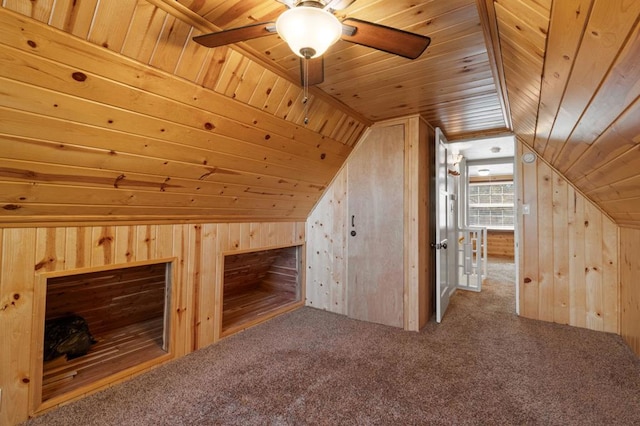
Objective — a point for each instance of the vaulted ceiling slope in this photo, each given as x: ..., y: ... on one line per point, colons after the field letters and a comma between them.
x: 573, y: 79
x: 109, y: 111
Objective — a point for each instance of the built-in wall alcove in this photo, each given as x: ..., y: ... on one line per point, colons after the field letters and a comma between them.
x: 258, y: 285
x: 99, y: 325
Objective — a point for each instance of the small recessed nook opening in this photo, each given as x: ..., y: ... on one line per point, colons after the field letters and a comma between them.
x: 127, y: 314
x: 258, y: 285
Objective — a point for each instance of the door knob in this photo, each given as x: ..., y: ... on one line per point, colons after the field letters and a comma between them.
x: 353, y: 233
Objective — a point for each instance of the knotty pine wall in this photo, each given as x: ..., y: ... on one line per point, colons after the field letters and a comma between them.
x: 25, y: 253
x: 630, y: 287
x: 327, y: 255
x: 568, y: 252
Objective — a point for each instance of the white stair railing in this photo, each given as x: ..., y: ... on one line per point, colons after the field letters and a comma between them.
x: 472, y: 258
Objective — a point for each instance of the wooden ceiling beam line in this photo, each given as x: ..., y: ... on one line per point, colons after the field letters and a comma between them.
x: 482, y: 135
x: 490, y: 31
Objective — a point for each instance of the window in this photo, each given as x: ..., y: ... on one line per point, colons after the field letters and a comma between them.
x: 491, y: 204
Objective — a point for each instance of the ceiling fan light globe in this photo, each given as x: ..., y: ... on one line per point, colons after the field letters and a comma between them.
x: 308, y: 29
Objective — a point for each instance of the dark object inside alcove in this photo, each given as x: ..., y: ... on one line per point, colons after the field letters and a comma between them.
x: 68, y: 336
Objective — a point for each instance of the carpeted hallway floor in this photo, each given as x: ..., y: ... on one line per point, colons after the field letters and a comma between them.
x: 482, y: 365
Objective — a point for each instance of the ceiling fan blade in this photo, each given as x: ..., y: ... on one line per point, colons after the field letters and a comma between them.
x: 315, y: 71
x: 338, y: 4
x: 387, y: 39
x: 235, y: 35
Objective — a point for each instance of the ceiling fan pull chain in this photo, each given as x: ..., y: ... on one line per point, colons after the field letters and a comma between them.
x: 305, y: 90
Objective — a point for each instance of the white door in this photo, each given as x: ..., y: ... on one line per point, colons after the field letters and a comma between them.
x: 445, y: 285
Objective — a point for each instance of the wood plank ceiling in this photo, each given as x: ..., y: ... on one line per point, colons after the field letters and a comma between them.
x: 451, y: 84
x: 567, y: 68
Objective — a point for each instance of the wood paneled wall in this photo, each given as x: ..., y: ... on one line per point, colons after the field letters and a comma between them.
x: 500, y: 243
x: 630, y: 287
x: 568, y: 252
x: 88, y: 134
x: 197, y: 250
x: 328, y: 227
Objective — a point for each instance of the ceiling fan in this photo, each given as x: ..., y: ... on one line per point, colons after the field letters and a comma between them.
x: 310, y: 28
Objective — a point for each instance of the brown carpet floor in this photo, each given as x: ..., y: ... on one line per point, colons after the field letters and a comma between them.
x: 482, y: 365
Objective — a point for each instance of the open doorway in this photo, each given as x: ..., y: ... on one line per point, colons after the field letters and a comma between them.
x: 486, y: 215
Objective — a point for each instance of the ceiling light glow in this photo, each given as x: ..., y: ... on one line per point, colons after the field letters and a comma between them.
x: 309, y: 31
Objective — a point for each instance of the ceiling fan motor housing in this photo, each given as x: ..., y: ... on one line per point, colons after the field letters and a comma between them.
x: 308, y: 29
